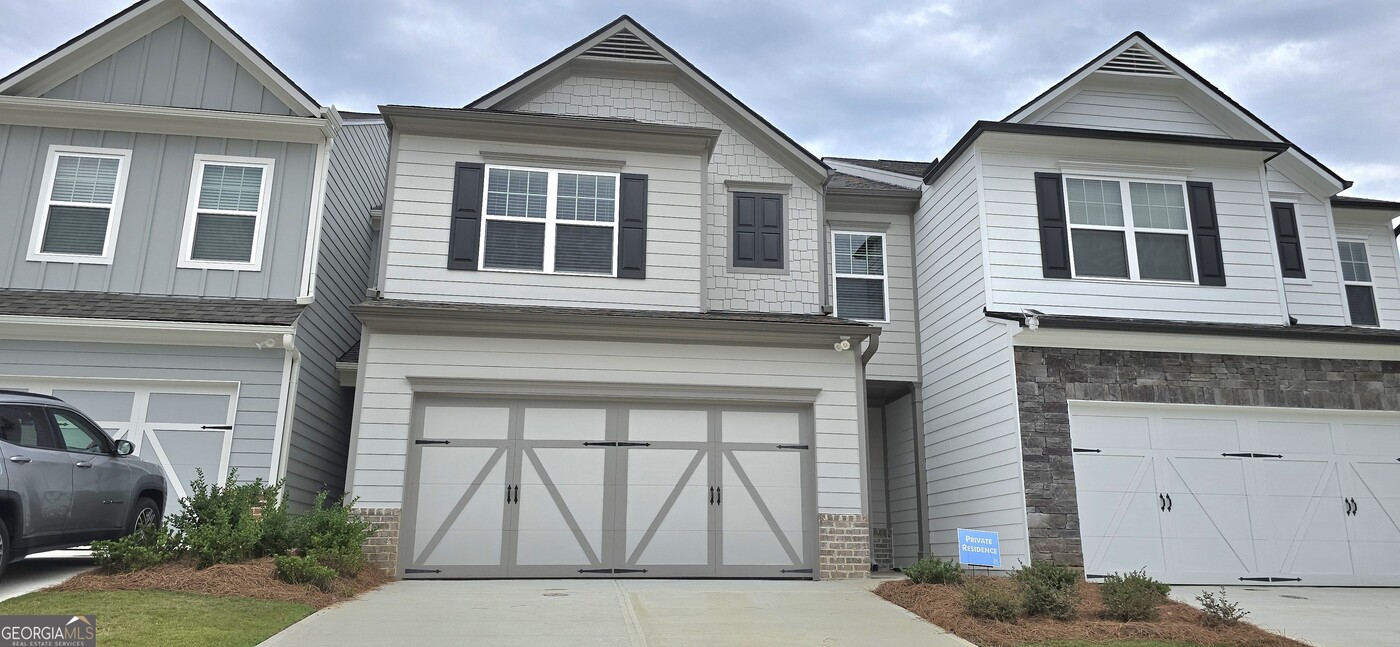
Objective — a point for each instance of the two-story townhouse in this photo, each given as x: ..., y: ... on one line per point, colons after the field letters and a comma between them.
x: 166, y: 188
x: 602, y: 341
x: 1153, y: 336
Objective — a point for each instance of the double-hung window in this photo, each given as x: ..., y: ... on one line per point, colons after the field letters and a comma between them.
x: 80, y: 205
x: 862, y: 284
x: 1356, y: 280
x: 227, y: 213
x: 1129, y: 229
x: 555, y: 222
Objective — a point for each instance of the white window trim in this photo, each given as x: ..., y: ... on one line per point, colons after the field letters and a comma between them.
x: 1130, y: 230
x: 550, y: 220
x: 884, y: 275
x: 254, y: 263
x: 41, y: 214
x: 1346, y: 304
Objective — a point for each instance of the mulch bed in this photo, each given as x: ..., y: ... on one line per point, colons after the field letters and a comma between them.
x: 255, y: 579
x: 942, y: 605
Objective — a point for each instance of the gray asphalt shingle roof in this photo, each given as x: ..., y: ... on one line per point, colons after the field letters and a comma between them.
x: 902, y: 167
x: 102, y: 305
x: 713, y: 315
x: 841, y: 180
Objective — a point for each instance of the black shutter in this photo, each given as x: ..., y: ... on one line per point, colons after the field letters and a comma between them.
x: 1210, y: 262
x: 1054, y: 230
x: 465, y: 233
x: 632, y: 228
x: 1290, y: 243
x: 758, y: 230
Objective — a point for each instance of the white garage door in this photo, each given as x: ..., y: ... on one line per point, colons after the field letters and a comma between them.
x: 1224, y: 495
x: 587, y: 489
x: 183, y: 426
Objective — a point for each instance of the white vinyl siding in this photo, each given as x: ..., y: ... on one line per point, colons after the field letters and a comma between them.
x: 418, y: 222
x: 554, y: 222
x: 386, y: 400
x: 862, y: 283
x: 80, y: 205
x: 227, y: 213
x: 1316, y: 299
x: 897, y: 358
x: 1017, y: 281
x: 1359, y: 286
x: 973, y: 447
x: 1124, y: 110
x: 1382, y: 258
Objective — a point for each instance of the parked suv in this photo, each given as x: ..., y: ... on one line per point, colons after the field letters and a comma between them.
x: 64, y: 482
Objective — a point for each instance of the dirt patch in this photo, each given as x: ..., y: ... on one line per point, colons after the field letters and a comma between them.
x: 255, y: 579
x: 942, y: 605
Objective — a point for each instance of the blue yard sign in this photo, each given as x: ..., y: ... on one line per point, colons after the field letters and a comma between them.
x: 979, y: 548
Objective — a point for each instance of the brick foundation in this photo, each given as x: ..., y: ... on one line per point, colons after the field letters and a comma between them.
x: 881, y: 548
x: 844, y: 542
x: 1047, y: 378
x: 382, y: 547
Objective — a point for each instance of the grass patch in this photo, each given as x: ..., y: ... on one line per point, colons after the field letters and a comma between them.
x: 143, y: 618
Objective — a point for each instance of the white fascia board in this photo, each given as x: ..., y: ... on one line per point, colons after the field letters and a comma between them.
x: 1211, y: 344
x: 898, y: 179
x: 348, y: 372
x: 89, y: 115
x: 129, y: 331
x: 243, y: 54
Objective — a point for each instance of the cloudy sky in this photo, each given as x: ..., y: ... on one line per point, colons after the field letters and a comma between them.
x: 861, y: 79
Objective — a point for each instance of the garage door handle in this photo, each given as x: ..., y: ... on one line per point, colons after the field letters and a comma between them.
x: 712, y: 495
x: 1169, y: 503
x: 1161, y: 503
x: 719, y: 495
x: 20, y: 459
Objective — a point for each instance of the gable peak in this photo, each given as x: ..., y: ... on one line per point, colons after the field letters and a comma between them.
x: 624, y: 45
x: 1138, y: 61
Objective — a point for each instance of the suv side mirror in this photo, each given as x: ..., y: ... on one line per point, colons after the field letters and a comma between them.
x: 124, y: 448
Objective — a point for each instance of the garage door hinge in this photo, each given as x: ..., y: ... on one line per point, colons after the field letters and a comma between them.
x: 1271, y: 579
x: 1094, y: 577
x: 615, y: 443
x: 1081, y: 450
x: 610, y: 571
x: 420, y: 570
x: 431, y: 442
x: 217, y: 427
x: 796, y: 570
x: 792, y: 447
x: 1250, y: 455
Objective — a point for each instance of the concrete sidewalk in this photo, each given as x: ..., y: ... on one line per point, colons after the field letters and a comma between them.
x: 40, y: 572
x: 1322, y: 616
x: 617, y: 612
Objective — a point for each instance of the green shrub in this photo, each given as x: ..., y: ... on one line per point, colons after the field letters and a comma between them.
x: 148, y: 547
x: 333, y: 535
x: 1048, y: 589
x: 217, y: 524
x: 932, y: 570
x: 1219, y: 611
x: 1132, y: 597
x: 304, y: 570
x: 990, y: 598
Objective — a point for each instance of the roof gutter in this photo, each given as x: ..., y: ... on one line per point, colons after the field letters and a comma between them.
x: 870, y: 348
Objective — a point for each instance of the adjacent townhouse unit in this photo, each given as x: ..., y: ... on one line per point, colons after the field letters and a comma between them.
x: 1153, y: 336
x: 178, y: 268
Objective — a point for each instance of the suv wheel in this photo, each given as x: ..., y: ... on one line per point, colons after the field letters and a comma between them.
x: 146, y: 514
x: 4, y: 546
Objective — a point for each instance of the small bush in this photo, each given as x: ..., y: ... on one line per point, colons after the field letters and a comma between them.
x: 990, y: 599
x: 148, y: 547
x: 932, y: 570
x: 304, y: 570
x: 1132, y: 597
x: 1048, y: 589
x: 217, y: 524
x: 1219, y: 610
x: 333, y: 535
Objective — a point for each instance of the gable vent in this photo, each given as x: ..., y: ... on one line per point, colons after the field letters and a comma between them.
x: 1136, y: 60
x: 626, y: 46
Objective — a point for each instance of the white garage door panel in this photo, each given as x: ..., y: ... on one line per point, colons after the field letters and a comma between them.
x: 1293, y: 507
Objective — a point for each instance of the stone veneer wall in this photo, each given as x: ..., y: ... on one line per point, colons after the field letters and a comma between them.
x: 382, y: 546
x: 844, y: 544
x: 1047, y: 378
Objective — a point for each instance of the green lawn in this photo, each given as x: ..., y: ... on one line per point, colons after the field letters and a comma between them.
x: 144, y: 618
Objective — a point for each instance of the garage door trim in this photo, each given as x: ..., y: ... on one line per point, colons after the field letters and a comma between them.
x: 629, y: 391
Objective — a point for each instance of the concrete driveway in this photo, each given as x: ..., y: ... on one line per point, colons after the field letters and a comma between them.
x: 1326, y: 617
x: 40, y: 572
x: 604, y: 612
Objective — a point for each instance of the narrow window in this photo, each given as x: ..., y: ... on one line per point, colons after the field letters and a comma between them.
x: 1356, y: 277
x: 861, y: 280
x: 1149, y: 241
x: 557, y: 222
x: 79, y: 205
x: 227, y: 213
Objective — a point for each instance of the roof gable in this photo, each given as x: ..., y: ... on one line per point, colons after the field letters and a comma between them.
x: 1137, y: 63
x: 625, y: 45
x: 103, y: 45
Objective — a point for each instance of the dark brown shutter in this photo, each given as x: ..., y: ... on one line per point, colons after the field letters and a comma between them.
x: 1054, y: 230
x: 758, y: 230
x: 632, y: 228
x: 1290, y: 242
x: 465, y: 235
x: 1210, y: 262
